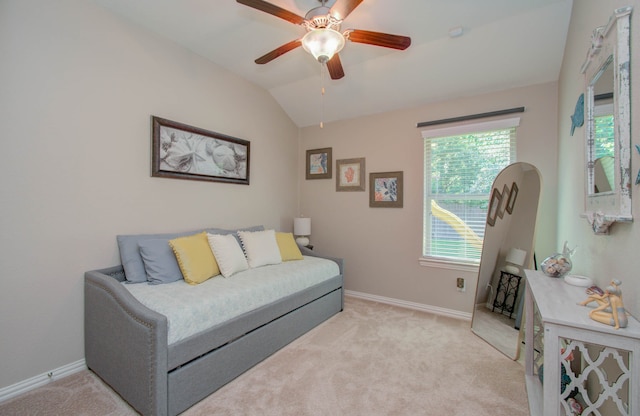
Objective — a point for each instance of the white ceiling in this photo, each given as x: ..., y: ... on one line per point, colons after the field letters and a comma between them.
x: 506, y: 44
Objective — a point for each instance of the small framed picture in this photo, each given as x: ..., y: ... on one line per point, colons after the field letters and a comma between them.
x: 512, y: 198
x: 503, y: 202
x: 319, y: 163
x: 385, y: 190
x: 350, y: 175
x: 494, y: 206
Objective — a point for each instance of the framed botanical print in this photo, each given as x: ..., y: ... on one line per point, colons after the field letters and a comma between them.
x: 494, y: 206
x: 350, y: 175
x: 319, y: 163
x: 503, y: 202
x: 512, y: 198
x: 385, y: 190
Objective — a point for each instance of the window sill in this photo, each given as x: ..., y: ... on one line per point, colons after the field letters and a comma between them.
x: 449, y: 264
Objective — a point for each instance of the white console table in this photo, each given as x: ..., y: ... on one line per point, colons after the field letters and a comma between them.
x: 555, y: 321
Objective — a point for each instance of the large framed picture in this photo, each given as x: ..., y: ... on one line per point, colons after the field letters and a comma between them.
x: 184, y: 152
x: 385, y: 190
x: 350, y: 175
x: 319, y: 163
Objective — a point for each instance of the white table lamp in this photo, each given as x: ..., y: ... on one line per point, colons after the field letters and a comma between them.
x: 302, y: 230
x: 515, y: 260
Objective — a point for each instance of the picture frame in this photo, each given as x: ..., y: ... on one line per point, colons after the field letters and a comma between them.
x: 350, y: 175
x: 385, y: 189
x: 180, y: 151
x: 513, y: 194
x: 494, y: 206
x: 318, y: 164
x: 503, y: 201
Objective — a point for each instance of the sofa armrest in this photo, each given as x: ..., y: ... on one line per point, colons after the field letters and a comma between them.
x: 308, y: 252
x: 125, y: 342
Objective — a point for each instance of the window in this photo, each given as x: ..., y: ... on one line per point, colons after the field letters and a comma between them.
x: 460, y: 164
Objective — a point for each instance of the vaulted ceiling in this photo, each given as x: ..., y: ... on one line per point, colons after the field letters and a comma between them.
x: 504, y: 44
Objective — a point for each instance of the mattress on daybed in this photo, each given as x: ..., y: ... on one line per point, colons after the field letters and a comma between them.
x: 191, y: 309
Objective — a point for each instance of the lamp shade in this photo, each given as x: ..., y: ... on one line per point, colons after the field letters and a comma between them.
x: 323, y: 43
x: 515, y: 259
x: 302, y: 226
x: 516, y: 256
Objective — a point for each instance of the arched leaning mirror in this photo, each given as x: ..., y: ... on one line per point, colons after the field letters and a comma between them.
x: 507, y: 249
x: 608, y: 124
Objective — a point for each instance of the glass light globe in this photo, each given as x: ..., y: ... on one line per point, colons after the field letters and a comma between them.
x: 323, y: 43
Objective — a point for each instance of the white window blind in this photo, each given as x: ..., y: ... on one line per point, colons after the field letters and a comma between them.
x: 460, y: 166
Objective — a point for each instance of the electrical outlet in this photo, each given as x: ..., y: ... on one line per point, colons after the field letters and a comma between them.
x: 460, y: 284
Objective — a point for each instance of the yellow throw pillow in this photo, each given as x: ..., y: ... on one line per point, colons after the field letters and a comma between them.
x: 288, y: 248
x: 195, y: 258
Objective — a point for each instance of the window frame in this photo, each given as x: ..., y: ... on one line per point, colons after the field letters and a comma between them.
x: 450, y: 131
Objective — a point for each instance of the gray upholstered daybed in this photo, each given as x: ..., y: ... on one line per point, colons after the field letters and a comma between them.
x: 132, y: 348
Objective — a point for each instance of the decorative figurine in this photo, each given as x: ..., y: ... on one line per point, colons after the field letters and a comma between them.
x: 575, y: 406
x: 610, y: 309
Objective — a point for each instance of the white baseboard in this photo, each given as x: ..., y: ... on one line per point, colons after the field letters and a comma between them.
x: 451, y: 313
x: 25, y: 386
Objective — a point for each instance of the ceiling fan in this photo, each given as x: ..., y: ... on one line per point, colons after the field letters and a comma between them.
x: 323, y: 39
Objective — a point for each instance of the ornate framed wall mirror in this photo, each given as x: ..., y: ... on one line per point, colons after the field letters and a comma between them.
x: 608, y: 124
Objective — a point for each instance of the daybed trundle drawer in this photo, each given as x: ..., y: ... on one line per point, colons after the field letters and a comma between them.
x: 201, y: 377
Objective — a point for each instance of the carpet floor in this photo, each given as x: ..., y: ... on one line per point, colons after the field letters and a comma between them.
x: 371, y: 359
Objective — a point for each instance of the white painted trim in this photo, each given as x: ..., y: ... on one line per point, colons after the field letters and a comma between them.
x: 449, y: 264
x: 25, y: 386
x: 451, y: 313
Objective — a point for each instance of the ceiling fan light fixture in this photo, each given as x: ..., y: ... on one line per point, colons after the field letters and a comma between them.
x: 323, y: 43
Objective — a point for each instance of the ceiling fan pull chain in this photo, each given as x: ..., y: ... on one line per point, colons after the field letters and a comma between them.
x: 322, y: 68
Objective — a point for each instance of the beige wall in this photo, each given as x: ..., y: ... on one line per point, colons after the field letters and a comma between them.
x: 381, y: 246
x: 78, y: 88
x: 614, y: 255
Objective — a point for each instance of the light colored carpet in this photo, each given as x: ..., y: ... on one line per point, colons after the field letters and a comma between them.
x: 371, y: 359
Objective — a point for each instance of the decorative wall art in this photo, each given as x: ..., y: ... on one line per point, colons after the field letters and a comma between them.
x: 513, y: 194
x: 577, y: 119
x: 494, y: 206
x: 319, y: 163
x: 503, y: 201
x: 185, y: 152
x: 385, y: 190
x: 350, y: 175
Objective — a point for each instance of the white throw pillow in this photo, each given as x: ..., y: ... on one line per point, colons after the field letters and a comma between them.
x: 228, y: 254
x: 260, y: 247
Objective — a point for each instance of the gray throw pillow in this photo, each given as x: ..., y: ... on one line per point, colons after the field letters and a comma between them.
x: 159, y: 261
x: 130, y: 253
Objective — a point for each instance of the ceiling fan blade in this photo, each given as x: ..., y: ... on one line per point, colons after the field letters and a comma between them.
x: 335, y: 67
x: 278, y: 52
x: 274, y: 10
x: 342, y: 8
x: 378, y: 39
